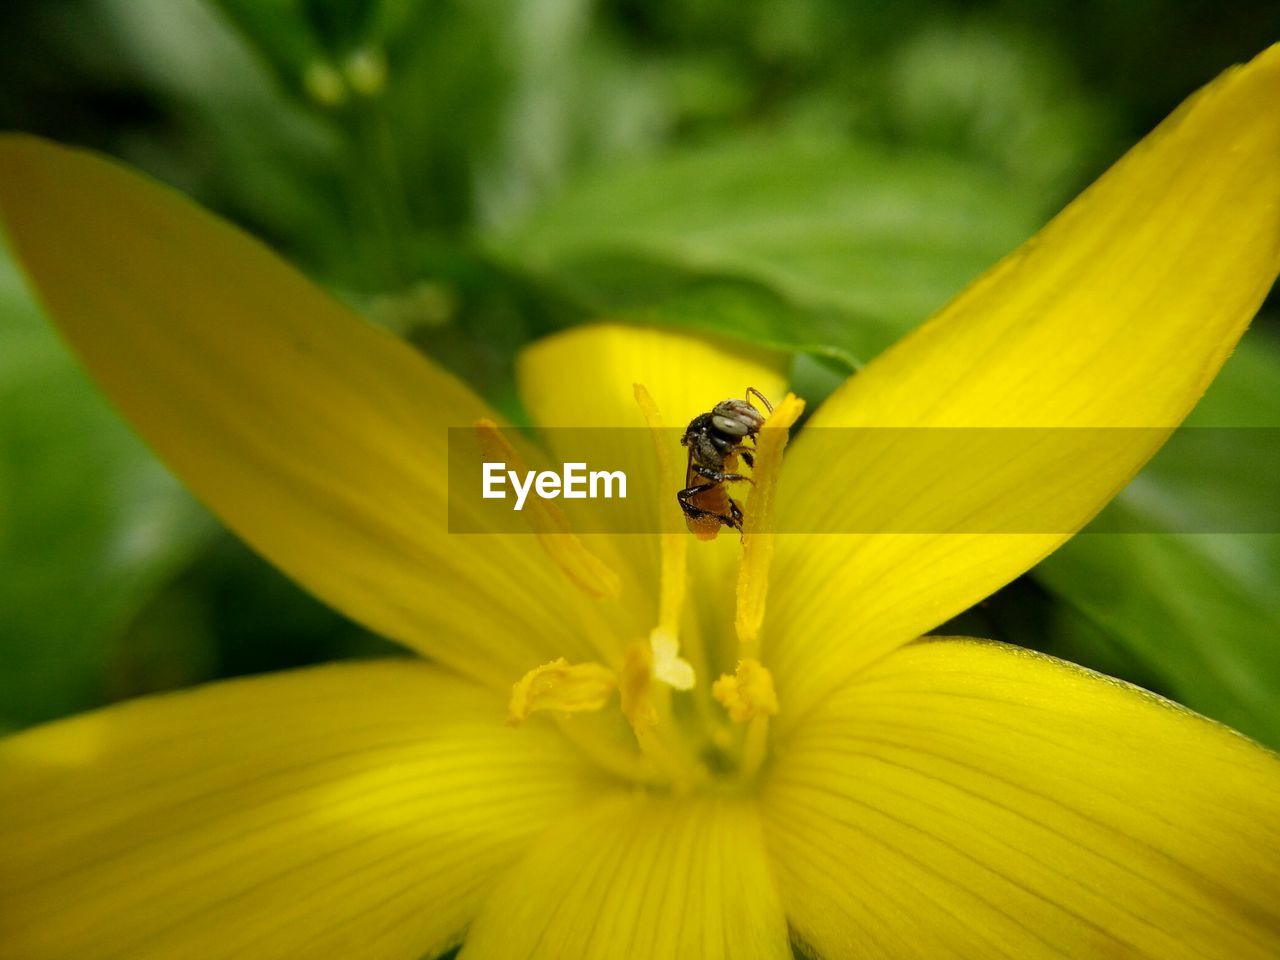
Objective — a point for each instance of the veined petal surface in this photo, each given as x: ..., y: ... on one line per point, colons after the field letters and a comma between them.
x: 658, y: 878
x: 1117, y: 314
x: 583, y: 377
x: 355, y: 810
x: 966, y: 799
x: 318, y: 438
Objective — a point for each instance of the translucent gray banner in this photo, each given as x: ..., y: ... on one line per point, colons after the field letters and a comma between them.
x: 882, y: 480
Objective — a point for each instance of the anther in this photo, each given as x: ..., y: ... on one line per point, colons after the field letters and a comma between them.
x: 561, y: 686
x: 748, y: 692
x: 750, y: 698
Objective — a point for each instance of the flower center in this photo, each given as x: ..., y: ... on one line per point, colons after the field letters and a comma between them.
x: 680, y: 731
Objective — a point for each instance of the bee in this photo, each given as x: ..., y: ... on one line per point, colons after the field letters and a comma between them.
x: 716, y: 442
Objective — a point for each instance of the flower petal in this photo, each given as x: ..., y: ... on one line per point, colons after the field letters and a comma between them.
x: 968, y: 799
x: 585, y: 378
x: 318, y: 438
x: 635, y: 876
x: 353, y: 810
x: 1119, y: 313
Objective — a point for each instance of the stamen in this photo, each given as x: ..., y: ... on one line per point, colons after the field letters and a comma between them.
x: 674, y: 556
x: 562, y: 687
x: 755, y: 746
x: 583, y: 568
x: 636, y: 688
x: 750, y: 698
x: 757, y: 529
x: 674, y: 543
x: 748, y: 692
x: 647, y: 705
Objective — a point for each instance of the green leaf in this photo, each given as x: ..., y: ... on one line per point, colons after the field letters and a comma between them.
x: 832, y: 246
x: 90, y: 523
x: 647, y: 291
x: 1200, y: 612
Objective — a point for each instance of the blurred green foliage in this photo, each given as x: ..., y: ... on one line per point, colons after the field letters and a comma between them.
x: 807, y: 243
x: 90, y: 525
x: 814, y: 174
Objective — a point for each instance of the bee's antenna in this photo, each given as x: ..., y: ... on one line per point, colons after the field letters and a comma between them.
x: 752, y: 391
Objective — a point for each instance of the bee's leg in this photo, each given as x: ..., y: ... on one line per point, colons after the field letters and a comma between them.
x: 719, y: 476
x: 747, y: 455
x: 697, y: 513
x: 688, y: 492
x: 736, y: 519
x: 690, y: 510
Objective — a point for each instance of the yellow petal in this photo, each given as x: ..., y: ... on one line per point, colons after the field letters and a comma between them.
x: 586, y: 378
x: 644, y: 877
x: 1119, y: 313
x: 347, y: 811
x: 318, y: 438
x: 968, y: 799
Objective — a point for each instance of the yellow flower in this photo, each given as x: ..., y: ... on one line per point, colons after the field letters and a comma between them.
x: 881, y: 798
